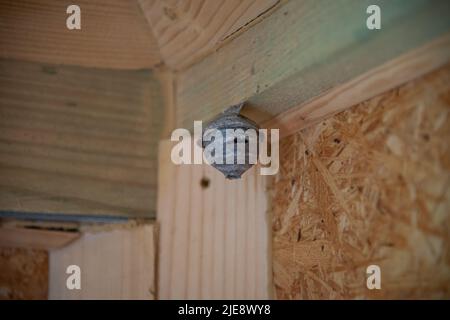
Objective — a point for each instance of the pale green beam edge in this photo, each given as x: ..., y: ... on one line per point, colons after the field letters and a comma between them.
x: 303, y: 49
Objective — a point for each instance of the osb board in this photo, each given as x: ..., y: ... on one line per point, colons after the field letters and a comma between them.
x: 78, y: 140
x: 370, y: 185
x: 215, y: 233
x: 23, y: 273
x: 115, y: 263
x: 187, y: 30
x: 113, y: 34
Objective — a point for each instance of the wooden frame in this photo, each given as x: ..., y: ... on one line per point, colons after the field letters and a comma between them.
x: 300, y: 51
x: 294, y: 62
x: 376, y: 81
x: 35, y: 238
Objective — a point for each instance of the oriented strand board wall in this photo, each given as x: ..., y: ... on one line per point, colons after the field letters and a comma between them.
x: 215, y: 239
x: 115, y: 264
x: 23, y: 273
x: 370, y: 185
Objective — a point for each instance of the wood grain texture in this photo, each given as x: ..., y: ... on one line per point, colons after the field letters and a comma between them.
x: 188, y: 30
x: 78, y: 140
x: 392, y: 74
x: 115, y: 264
x: 214, y: 241
x: 166, y: 79
x: 302, y: 50
x: 114, y: 34
x: 35, y: 238
x: 23, y: 274
x: 368, y: 186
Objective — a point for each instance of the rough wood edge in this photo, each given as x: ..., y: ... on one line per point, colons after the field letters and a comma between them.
x: 167, y: 80
x: 35, y: 238
x: 376, y: 81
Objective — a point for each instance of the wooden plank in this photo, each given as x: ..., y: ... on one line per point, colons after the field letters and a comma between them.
x: 263, y: 249
x: 205, y: 220
x: 115, y: 264
x: 219, y: 238
x: 376, y: 81
x: 188, y: 30
x: 78, y: 140
x: 166, y: 177
x: 367, y: 186
x: 230, y: 245
x: 166, y: 78
x: 35, y: 238
x: 196, y: 239
x: 114, y: 34
x: 301, y: 50
x: 210, y: 213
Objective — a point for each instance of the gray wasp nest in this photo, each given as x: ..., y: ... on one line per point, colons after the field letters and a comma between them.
x: 232, y: 119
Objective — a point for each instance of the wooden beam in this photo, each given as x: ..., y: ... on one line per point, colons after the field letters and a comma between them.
x: 35, y: 238
x: 114, y: 34
x: 188, y: 30
x: 376, y: 81
x: 301, y: 50
x: 115, y: 264
x: 215, y: 233
x: 78, y: 140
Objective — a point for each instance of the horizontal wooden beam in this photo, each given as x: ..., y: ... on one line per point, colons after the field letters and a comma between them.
x: 376, y: 81
x: 302, y: 50
x: 113, y: 34
x: 78, y: 140
x: 35, y: 238
x: 188, y: 30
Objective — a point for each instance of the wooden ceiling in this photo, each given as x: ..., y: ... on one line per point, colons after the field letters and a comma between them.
x: 120, y: 34
x: 188, y: 30
x: 114, y: 34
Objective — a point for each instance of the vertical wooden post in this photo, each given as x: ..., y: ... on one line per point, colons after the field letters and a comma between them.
x: 214, y: 233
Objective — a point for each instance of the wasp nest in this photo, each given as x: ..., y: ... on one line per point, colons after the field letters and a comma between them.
x: 234, y: 129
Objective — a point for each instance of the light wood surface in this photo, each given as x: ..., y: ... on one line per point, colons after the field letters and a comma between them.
x: 35, y: 238
x: 114, y: 34
x: 300, y: 51
x: 214, y: 241
x: 409, y: 66
x: 115, y: 264
x: 188, y: 30
x: 78, y: 140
